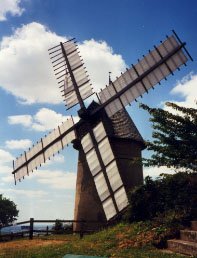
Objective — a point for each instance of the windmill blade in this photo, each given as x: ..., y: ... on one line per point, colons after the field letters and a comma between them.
x: 70, y: 70
x: 44, y: 149
x: 140, y: 78
x: 103, y: 167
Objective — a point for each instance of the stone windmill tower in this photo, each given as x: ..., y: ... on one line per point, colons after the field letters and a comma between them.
x: 126, y: 143
x: 105, y: 136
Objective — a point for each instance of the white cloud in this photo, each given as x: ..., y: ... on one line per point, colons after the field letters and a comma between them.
x: 18, y: 144
x: 54, y: 159
x: 185, y: 88
x: 24, y: 56
x: 5, y: 157
x: 56, y: 179
x: 58, y: 158
x: 10, y: 6
x: 100, y: 60
x: 45, y: 201
x: 24, y: 193
x: 156, y: 171
x: 44, y: 119
x: 25, y: 120
x: 8, y: 178
x: 5, y: 169
x: 47, y: 119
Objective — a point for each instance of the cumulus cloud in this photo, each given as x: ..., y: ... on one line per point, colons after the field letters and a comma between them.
x: 24, y: 56
x: 44, y: 119
x: 58, y: 158
x: 45, y: 201
x: 18, y: 144
x: 56, y: 179
x: 54, y: 159
x: 25, y: 193
x: 100, y: 60
x: 47, y: 119
x: 186, y: 89
x: 7, y: 179
x: 25, y: 120
x: 5, y: 157
x: 5, y: 169
x: 156, y: 171
x: 10, y: 6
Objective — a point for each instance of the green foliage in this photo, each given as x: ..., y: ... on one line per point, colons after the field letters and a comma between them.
x: 164, y: 206
x: 8, y: 211
x: 175, y: 137
x: 58, y: 226
x: 176, y: 193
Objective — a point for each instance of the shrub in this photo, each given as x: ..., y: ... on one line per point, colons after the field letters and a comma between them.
x: 163, y: 206
x: 167, y: 193
x: 58, y: 227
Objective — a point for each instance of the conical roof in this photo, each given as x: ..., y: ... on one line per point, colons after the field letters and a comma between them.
x: 124, y: 126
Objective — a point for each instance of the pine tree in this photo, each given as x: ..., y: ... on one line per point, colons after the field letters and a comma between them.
x: 174, y: 137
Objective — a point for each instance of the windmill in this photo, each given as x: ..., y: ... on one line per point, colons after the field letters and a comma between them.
x: 103, y: 178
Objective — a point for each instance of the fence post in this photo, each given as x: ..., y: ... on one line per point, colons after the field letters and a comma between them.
x: 11, y: 236
x: 31, y: 228
x: 47, y: 230
x: 81, y: 229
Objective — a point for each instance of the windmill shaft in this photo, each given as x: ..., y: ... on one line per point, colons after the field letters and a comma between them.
x: 81, y: 103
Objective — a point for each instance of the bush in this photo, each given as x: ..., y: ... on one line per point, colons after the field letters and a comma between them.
x: 177, y: 193
x: 163, y: 206
x: 58, y: 227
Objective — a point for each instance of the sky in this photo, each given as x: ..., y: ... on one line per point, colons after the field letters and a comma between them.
x: 111, y: 36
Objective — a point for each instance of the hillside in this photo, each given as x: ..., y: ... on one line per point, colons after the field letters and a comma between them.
x: 120, y: 241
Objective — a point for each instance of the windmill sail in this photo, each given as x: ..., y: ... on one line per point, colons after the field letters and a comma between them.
x: 105, y: 172
x: 71, y: 73
x: 149, y: 71
x: 96, y: 145
x: 44, y: 149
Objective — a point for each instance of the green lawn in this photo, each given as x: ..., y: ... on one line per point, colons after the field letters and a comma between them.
x: 120, y: 241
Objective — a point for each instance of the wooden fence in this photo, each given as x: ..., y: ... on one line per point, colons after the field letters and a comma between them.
x: 30, y: 232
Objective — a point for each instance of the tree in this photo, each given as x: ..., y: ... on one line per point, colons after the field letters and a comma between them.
x: 8, y: 211
x: 58, y: 226
x: 175, y: 137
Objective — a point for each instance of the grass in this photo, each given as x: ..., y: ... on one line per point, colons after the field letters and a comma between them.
x: 120, y: 241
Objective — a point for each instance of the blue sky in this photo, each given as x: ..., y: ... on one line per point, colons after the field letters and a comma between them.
x: 111, y: 35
